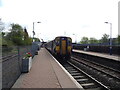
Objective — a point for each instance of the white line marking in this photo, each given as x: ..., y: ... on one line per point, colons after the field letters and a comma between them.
x: 76, y: 83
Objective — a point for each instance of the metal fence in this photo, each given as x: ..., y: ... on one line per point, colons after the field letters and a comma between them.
x: 12, y: 62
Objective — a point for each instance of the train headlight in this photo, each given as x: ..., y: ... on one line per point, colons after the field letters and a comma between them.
x: 57, y: 49
x: 69, y: 49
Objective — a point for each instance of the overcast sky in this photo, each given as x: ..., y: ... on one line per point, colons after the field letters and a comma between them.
x: 74, y: 18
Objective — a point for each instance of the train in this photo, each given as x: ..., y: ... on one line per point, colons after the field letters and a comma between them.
x: 60, y: 47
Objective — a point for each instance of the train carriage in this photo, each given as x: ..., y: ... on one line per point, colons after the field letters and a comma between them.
x: 61, y: 47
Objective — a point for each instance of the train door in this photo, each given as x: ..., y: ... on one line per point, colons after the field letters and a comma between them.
x: 63, y: 45
x: 69, y: 45
x: 57, y: 45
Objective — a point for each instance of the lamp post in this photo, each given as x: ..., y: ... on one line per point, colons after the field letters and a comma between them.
x: 75, y: 38
x: 110, y: 37
x: 33, y: 29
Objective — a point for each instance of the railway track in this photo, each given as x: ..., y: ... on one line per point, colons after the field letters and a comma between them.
x: 112, y: 63
x: 5, y: 58
x: 85, y: 80
x: 110, y: 78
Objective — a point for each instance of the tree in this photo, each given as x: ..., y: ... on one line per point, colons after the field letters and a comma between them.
x: 84, y: 40
x: 118, y: 39
x: 37, y: 39
x: 27, y: 39
x: 105, y: 38
x: 16, y: 35
x: 93, y: 40
x: 25, y: 34
x: 2, y: 26
x: 3, y: 34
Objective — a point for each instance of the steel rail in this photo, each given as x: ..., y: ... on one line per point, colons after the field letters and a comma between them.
x: 99, y: 66
x: 96, y: 81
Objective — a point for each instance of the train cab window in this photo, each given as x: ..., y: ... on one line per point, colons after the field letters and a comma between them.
x: 57, y: 43
x: 69, y: 42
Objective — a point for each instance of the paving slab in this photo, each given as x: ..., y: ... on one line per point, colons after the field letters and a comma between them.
x: 46, y: 72
x: 114, y: 57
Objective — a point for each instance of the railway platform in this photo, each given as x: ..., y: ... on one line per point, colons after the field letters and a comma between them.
x: 103, y: 55
x: 46, y: 72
